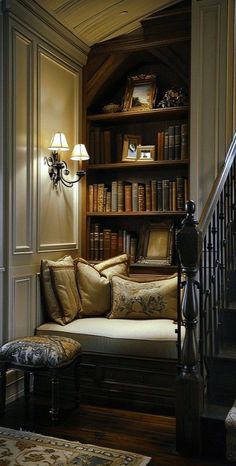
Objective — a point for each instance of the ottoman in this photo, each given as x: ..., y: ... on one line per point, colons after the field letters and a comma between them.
x: 39, y: 353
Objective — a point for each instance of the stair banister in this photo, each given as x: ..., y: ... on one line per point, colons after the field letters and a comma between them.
x: 205, y: 252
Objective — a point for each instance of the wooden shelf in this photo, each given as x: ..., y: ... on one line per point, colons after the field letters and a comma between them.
x: 171, y: 113
x: 136, y: 214
x: 132, y: 165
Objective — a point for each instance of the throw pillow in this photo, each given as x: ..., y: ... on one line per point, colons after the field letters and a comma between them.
x: 114, y: 266
x: 65, y: 288
x: 94, y: 284
x: 51, y: 302
x: 148, y: 300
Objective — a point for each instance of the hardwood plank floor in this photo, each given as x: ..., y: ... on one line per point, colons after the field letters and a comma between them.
x: 148, y: 434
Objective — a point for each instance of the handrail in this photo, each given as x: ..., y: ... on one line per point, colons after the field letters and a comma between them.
x: 216, y: 190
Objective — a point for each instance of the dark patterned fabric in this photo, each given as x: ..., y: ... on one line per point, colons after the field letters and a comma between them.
x: 40, y: 351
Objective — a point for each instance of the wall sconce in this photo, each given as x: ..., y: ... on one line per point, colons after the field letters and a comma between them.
x: 57, y: 169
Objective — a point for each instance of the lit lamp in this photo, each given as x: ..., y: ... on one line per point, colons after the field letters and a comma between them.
x: 57, y: 169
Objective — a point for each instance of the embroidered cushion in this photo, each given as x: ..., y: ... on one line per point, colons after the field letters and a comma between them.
x: 93, y: 282
x: 40, y: 351
x: 148, y: 300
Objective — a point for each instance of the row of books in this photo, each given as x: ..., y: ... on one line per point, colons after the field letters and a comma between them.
x: 155, y: 195
x: 171, y: 144
x: 105, y: 243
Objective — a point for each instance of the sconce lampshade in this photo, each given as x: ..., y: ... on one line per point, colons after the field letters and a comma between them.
x: 58, y: 142
x: 79, y: 152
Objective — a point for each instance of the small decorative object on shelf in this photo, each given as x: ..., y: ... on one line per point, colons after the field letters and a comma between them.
x: 145, y: 153
x: 156, y: 243
x: 140, y: 93
x: 174, y: 97
x: 111, y: 108
x: 130, y: 145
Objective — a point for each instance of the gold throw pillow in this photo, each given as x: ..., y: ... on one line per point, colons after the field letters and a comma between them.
x: 65, y: 288
x: 93, y: 282
x: 148, y: 300
x: 52, y: 306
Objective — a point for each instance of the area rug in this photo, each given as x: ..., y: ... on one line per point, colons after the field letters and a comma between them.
x: 19, y: 448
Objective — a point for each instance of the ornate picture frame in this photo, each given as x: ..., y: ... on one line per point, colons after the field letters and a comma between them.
x: 145, y: 153
x: 156, y: 244
x: 130, y: 145
x: 140, y: 93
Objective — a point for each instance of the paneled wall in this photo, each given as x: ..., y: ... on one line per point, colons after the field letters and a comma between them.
x: 43, y: 84
x: 211, y: 92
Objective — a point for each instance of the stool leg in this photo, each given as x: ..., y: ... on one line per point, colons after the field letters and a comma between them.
x: 54, y: 396
x: 77, y: 382
x: 27, y: 386
x: 2, y: 390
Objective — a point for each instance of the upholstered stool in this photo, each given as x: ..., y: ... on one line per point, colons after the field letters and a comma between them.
x: 39, y: 353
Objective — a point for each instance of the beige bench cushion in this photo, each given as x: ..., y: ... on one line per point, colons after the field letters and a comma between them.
x: 145, y: 338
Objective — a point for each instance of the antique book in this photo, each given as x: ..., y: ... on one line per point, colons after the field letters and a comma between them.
x: 160, y: 145
x: 184, y: 141
x: 159, y: 196
x: 114, y: 196
x: 101, y: 246
x: 154, y: 195
x: 141, y: 197
x: 128, y: 197
x: 133, y: 248
x: 114, y: 243
x: 171, y: 143
x: 177, y: 145
x: 107, y: 242
x: 108, y: 201
x: 165, y: 195
x: 95, y: 197
x: 120, y: 196
x: 100, y: 207
x: 91, y: 245
x: 166, y: 144
x: 90, y: 198
x: 179, y: 193
x: 148, y: 195
x: 96, y: 241
x: 134, y: 196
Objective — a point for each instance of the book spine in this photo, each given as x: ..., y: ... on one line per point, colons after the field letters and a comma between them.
x: 114, y: 196
x: 134, y: 197
x: 96, y: 242
x: 95, y: 197
x: 174, y: 195
x: 100, y: 205
x: 90, y: 198
x: 159, y: 196
x: 101, y: 246
x: 141, y: 198
x: 160, y: 146
x: 171, y: 143
x: 133, y: 249
x: 148, y: 195
x: 107, y: 243
x: 165, y: 195
x: 166, y: 144
x: 114, y: 243
x: 120, y: 242
x: 177, y: 143
x: 179, y: 193
x: 184, y: 141
x: 154, y: 195
x: 91, y: 245
x: 128, y: 198
x: 120, y: 196
x: 108, y: 201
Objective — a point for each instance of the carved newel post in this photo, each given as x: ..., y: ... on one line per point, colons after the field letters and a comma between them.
x: 189, y: 386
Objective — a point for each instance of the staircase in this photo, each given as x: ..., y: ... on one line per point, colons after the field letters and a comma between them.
x: 207, y: 379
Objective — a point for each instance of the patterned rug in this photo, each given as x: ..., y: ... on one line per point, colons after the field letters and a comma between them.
x: 18, y: 448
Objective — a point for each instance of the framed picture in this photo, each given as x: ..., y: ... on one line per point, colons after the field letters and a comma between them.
x: 145, y: 153
x: 130, y: 144
x: 156, y: 244
x: 140, y: 93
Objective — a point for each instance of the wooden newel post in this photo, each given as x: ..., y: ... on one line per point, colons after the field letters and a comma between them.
x: 189, y: 385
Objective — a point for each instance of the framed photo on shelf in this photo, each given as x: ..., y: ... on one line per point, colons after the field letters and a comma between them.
x: 145, y: 153
x: 130, y: 144
x: 140, y: 93
x: 156, y: 244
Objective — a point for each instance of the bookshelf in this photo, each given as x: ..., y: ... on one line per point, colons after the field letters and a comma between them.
x: 123, y: 195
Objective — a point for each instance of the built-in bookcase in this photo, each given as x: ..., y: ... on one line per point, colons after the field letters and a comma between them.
x: 127, y: 198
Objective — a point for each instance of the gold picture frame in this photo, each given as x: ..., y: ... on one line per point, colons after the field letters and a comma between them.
x: 140, y: 93
x: 156, y: 244
x: 145, y: 153
x: 130, y: 144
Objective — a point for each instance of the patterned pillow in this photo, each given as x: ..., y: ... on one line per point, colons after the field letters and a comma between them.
x: 65, y: 288
x: 52, y: 306
x: 93, y: 282
x: 147, y: 300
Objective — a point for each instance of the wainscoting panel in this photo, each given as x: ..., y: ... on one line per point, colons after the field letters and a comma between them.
x: 22, y: 131
x: 58, y: 89
x: 208, y: 95
x: 21, y: 319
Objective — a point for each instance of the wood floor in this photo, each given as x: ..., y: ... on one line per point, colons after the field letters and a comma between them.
x: 148, y: 434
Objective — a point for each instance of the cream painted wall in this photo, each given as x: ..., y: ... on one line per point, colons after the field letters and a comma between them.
x: 43, y: 85
x: 211, y: 93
